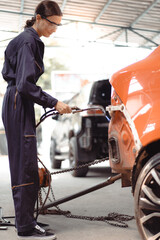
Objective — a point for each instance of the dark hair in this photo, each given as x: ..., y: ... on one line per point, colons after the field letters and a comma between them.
x: 45, y: 8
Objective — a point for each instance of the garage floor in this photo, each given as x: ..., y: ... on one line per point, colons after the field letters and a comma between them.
x: 99, y: 203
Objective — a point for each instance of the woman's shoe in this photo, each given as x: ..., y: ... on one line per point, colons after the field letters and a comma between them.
x: 37, y: 233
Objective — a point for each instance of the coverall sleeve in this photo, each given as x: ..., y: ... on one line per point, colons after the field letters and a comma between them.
x: 26, y: 72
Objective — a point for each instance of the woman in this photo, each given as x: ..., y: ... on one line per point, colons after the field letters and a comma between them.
x: 22, y: 67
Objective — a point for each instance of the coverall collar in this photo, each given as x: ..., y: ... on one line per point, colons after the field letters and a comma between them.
x: 34, y: 33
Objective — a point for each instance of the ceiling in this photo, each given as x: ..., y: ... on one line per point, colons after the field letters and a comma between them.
x: 118, y: 22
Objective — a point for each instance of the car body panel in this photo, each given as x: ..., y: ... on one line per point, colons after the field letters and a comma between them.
x: 137, y: 87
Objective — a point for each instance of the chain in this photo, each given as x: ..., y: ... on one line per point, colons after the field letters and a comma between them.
x: 40, y: 197
x: 119, y: 219
x: 81, y: 166
x: 53, y: 196
x: 116, y: 217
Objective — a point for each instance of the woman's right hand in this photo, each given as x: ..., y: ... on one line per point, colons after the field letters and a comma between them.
x: 62, y: 107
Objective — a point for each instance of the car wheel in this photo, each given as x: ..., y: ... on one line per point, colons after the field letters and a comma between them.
x: 74, y: 160
x: 54, y: 163
x: 147, y: 199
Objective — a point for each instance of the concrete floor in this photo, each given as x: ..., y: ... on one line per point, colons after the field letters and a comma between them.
x: 99, y: 203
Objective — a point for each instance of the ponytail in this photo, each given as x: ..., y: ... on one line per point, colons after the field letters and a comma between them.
x: 29, y: 23
x: 45, y: 8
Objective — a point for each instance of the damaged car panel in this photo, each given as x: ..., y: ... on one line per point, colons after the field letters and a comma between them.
x: 134, y: 138
x: 137, y: 88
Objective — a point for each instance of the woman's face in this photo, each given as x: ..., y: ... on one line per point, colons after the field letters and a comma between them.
x: 45, y: 26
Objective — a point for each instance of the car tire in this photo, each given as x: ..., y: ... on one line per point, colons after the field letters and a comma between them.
x: 147, y: 199
x: 74, y: 160
x: 54, y: 163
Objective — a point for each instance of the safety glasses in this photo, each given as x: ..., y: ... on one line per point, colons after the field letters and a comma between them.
x: 55, y: 24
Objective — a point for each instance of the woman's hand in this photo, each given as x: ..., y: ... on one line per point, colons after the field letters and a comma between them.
x: 62, y: 108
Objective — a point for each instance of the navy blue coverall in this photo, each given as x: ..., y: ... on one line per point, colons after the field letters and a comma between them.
x: 23, y: 66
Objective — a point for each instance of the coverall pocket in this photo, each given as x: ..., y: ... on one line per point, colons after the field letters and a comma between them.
x: 15, y: 99
x: 30, y: 153
x: 38, y: 67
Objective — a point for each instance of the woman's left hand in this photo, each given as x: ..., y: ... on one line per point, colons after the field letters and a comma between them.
x: 62, y: 107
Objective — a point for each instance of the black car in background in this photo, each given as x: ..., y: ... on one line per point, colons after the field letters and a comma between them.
x: 83, y: 137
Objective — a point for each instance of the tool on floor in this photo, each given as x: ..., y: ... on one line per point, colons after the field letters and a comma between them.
x: 4, y: 223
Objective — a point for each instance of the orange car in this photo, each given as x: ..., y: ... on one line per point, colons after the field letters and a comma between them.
x: 134, y: 138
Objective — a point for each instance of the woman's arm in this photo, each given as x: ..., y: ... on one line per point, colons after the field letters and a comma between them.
x: 26, y: 79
